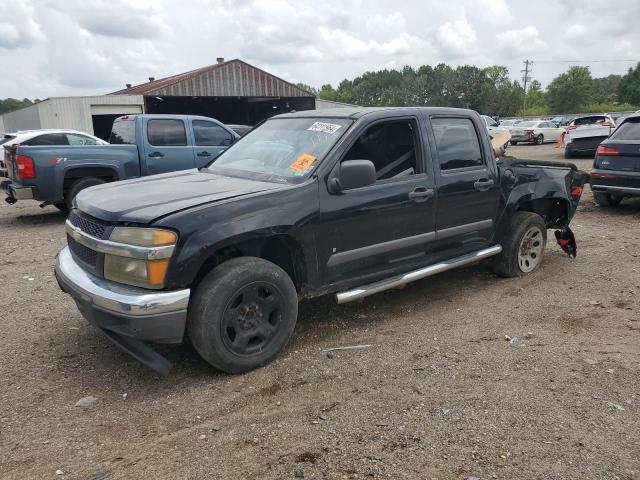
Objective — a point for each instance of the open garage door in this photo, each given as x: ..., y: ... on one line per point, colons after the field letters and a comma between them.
x: 102, y: 117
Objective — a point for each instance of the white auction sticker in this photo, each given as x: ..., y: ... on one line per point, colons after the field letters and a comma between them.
x: 324, y: 127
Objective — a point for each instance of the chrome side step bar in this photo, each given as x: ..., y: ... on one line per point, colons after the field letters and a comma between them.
x: 400, y: 280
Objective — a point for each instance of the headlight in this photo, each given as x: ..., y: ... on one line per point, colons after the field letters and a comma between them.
x: 143, y: 237
x: 135, y: 271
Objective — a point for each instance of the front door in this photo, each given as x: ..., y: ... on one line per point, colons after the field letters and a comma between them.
x: 467, y: 187
x: 386, y: 226
x: 210, y: 140
x: 166, y: 147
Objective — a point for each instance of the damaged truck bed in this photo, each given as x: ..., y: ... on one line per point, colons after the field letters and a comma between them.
x: 350, y: 201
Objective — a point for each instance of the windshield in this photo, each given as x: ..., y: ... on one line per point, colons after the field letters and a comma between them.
x: 528, y: 124
x: 590, y: 120
x: 281, y: 150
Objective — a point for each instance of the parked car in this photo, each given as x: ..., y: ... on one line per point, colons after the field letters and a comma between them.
x: 561, y: 120
x: 44, y: 137
x: 616, y: 168
x: 509, y: 124
x: 538, y: 132
x: 345, y: 201
x: 140, y: 145
x: 241, y: 130
x: 584, y: 134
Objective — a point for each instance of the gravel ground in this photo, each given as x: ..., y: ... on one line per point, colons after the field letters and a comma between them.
x: 439, y: 393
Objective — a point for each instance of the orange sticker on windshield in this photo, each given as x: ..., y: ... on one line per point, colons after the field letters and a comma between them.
x: 303, y: 162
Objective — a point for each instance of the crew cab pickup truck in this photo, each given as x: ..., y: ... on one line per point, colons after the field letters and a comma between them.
x: 139, y: 145
x: 351, y: 201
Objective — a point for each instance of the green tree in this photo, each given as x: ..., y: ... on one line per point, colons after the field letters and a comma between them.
x: 629, y: 86
x: 535, y: 95
x: 307, y: 88
x: 10, y: 104
x: 570, y: 91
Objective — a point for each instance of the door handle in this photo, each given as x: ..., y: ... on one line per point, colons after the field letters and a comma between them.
x: 203, y: 154
x: 156, y: 154
x: 483, y: 184
x: 421, y: 194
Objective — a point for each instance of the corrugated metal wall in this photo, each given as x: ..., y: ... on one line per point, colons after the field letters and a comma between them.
x: 234, y: 79
x: 67, y: 112
x: 24, y: 119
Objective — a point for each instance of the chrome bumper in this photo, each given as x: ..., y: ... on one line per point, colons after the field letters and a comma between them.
x: 17, y: 192
x: 128, y: 316
x: 114, y: 297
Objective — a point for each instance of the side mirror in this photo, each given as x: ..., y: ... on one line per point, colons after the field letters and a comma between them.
x: 353, y: 174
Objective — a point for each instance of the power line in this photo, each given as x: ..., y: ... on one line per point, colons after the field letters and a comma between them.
x: 587, y: 61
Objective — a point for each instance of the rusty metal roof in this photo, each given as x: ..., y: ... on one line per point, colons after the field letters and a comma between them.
x: 234, y: 78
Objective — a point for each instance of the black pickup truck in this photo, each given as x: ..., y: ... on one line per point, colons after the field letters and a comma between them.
x: 350, y: 201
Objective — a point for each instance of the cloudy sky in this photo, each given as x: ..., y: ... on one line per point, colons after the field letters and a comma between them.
x: 78, y: 47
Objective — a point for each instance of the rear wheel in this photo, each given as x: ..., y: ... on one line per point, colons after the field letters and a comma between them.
x: 242, y: 314
x: 605, y: 199
x: 522, y: 245
x: 513, y: 142
x: 79, y: 185
x: 539, y: 139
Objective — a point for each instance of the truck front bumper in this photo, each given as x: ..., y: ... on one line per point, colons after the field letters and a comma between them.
x: 16, y: 192
x: 128, y: 316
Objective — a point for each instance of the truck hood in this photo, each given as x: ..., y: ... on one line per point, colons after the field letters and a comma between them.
x: 143, y: 200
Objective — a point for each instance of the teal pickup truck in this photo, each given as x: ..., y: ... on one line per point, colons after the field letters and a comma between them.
x: 139, y: 145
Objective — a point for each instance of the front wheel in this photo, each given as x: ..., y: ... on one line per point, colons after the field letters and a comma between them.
x: 513, y: 142
x: 539, y: 139
x: 604, y: 199
x: 242, y: 314
x: 522, y: 245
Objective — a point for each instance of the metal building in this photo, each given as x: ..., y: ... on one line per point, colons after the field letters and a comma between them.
x: 233, y: 92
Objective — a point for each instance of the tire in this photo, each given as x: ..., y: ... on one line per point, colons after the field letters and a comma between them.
x: 220, y: 325
x: 513, y: 142
x: 79, y: 185
x: 539, y: 139
x: 568, y: 153
x: 525, y: 231
x: 604, y: 199
x: 62, y: 207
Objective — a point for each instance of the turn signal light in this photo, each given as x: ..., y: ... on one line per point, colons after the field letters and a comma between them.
x: 26, y: 167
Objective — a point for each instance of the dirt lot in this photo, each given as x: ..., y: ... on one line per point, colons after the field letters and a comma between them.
x: 439, y: 394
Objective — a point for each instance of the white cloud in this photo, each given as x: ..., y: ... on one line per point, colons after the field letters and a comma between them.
x: 457, y: 39
x: 73, y: 47
x: 17, y: 26
x: 522, y: 42
x: 575, y: 32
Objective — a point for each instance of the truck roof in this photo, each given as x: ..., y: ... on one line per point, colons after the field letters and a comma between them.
x: 357, y: 112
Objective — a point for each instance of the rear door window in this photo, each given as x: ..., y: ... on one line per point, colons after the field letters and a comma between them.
x: 629, y: 130
x: 166, y: 133
x: 123, y: 132
x: 457, y: 143
x: 210, y: 134
x: 47, y: 139
x: 75, y: 139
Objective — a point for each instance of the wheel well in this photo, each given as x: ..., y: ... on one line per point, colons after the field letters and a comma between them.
x: 554, y: 211
x: 282, y: 250
x: 103, y: 173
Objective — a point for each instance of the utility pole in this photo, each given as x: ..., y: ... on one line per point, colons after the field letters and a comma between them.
x: 525, y: 80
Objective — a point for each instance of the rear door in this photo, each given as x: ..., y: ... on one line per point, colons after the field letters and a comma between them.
x: 467, y: 187
x: 166, y: 145
x: 210, y: 139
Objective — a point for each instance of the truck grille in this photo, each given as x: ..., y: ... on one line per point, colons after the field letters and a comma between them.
x: 87, y: 225
x: 82, y: 253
